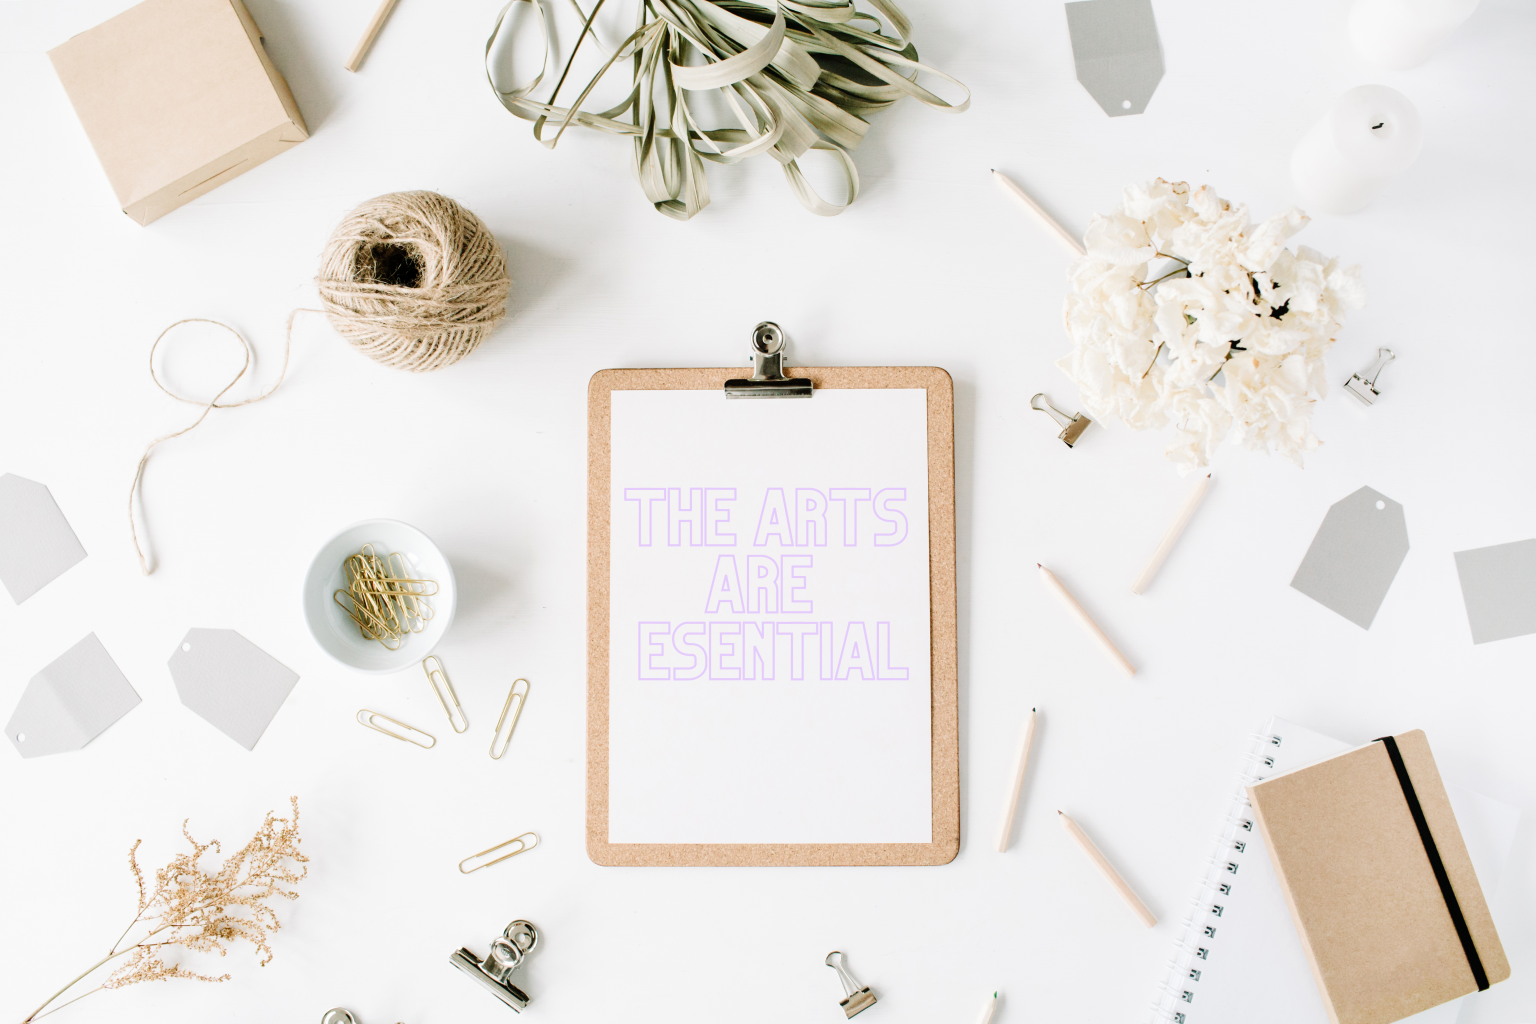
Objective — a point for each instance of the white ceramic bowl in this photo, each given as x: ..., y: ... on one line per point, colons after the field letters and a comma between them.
x: 334, y: 630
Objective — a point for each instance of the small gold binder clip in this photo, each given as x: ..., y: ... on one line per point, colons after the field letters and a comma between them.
x: 520, y: 695
x: 1072, y: 427
x: 437, y: 678
x: 858, y: 997
x: 521, y: 844
x: 1363, y: 384
x: 494, y: 973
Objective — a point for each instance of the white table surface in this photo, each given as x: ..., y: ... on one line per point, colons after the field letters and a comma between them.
x: 930, y: 266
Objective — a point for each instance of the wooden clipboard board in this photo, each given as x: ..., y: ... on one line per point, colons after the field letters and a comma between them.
x: 945, y: 755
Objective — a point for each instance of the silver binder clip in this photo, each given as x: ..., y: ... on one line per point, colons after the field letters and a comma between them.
x: 1072, y: 427
x: 494, y: 973
x: 858, y: 997
x: 338, y: 1015
x: 1363, y: 384
x: 768, y: 380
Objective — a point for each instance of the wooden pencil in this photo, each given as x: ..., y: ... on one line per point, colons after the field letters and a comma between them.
x: 369, y: 35
x: 1018, y: 782
x: 1171, y: 537
x: 1011, y: 187
x: 1089, y: 626
x: 1131, y: 899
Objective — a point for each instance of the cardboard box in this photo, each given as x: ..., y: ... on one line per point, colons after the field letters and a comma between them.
x: 178, y: 97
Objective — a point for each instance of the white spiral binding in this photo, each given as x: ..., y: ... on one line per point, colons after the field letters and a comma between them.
x: 1178, y: 988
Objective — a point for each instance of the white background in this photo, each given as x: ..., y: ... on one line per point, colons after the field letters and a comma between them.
x: 931, y: 266
x: 775, y: 760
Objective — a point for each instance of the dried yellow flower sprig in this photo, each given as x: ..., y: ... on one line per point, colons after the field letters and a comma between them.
x: 202, y: 910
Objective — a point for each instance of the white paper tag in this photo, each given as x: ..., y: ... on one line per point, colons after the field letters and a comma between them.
x: 36, y: 543
x: 1499, y: 587
x: 229, y: 681
x: 1118, y: 55
x: 1355, y: 556
x: 70, y: 702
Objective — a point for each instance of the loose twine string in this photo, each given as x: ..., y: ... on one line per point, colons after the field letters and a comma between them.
x: 412, y: 280
x: 208, y: 406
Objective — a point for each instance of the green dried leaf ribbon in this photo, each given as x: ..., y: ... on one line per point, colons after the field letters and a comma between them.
x: 799, y: 76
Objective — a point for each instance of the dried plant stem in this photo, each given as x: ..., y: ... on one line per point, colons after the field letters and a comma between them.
x: 187, y: 896
x: 38, y: 1013
x: 143, y: 943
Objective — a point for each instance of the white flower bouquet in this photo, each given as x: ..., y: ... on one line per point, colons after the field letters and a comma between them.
x: 1225, y: 338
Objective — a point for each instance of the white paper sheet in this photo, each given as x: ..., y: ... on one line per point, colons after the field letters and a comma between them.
x: 796, y: 708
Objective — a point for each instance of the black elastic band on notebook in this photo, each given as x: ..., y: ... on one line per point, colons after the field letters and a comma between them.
x: 1449, y: 894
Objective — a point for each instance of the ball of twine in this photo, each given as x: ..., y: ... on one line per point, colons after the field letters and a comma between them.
x: 413, y: 280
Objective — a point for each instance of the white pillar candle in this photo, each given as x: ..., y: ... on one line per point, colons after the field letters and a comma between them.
x: 1398, y: 34
x: 1371, y: 134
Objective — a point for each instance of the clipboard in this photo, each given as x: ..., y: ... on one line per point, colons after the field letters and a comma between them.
x: 606, y: 781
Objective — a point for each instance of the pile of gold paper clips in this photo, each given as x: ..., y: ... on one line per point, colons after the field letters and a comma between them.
x: 383, y: 599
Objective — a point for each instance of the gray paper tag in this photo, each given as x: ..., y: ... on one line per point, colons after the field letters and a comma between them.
x: 70, y: 702
x: 1355, y: 556
x: 1118, y: 55
x: 229, y: 681
x: 1499, y: 587
x: 36, y: 543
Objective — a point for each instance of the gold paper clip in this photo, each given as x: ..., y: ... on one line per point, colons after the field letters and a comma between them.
x: 521, y: 697
x: 522, y: 847
x: 434, y: 674
x: 372, y: 718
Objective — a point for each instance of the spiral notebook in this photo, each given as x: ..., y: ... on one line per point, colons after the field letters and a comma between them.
x: 1239, y: 958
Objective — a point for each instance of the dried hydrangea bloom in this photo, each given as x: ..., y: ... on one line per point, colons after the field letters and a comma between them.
x: 1185, y: 313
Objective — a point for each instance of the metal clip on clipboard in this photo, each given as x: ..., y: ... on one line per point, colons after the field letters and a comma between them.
x: 768, y: 380
x: 494, y: 973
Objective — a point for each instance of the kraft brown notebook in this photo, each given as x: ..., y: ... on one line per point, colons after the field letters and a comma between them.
x: 1379, y: 882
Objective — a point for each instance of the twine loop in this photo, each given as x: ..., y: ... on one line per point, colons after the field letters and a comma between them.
x: 213, y: 403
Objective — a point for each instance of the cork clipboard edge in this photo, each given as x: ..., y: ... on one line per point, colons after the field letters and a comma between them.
x: 942, y: 611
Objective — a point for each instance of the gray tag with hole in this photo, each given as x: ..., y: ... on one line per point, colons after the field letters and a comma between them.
x: 1499, y: 587
x: 1355, y: 556
x: 36, y: 543
x: 1118, y: 55
x: 230, y: 682
x: 70, y: 702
